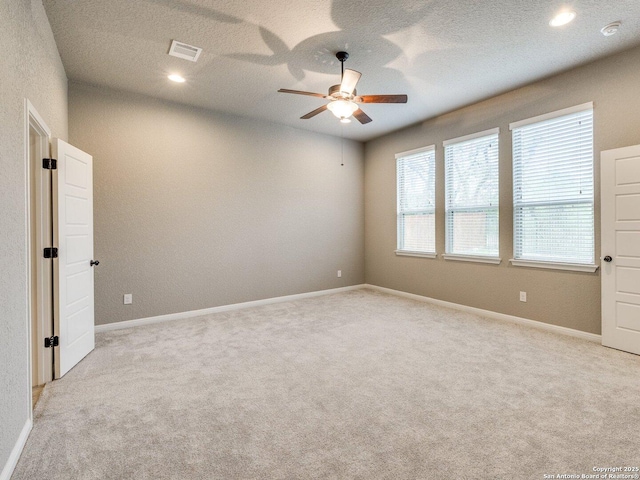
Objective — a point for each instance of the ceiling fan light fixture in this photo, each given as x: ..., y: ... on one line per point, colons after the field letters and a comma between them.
x: 342, y: 109
x: 345, y: 120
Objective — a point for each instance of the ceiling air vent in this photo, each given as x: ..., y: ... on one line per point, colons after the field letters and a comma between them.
x: 182, y: 50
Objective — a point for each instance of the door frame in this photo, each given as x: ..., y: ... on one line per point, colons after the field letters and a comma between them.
x: 34, y: 121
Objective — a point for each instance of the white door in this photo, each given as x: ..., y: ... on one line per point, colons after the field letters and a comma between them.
x: 73, y: 232
x: 620, y: 220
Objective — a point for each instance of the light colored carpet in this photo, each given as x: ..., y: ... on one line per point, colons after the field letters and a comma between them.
x: 356, y: 385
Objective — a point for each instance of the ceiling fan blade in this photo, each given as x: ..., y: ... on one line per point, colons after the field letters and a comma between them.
x: 349, y: 81
x: 361, y: 116
x: 314, y: 113
x: 300, y: 92
x: 381, y: 99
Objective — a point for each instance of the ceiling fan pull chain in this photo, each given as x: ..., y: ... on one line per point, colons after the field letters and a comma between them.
x: 342, y: 143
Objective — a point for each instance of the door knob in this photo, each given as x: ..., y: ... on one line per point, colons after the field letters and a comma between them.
x: 607, y: 258
x: 94, y: 262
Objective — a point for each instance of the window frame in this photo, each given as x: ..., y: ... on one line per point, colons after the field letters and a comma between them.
x: 551, y: 264
x: 468, y: 257
x: 400, y: 238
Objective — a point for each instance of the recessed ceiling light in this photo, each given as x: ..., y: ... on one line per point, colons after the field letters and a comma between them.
x: 610, y: 29
x: 562, y: 18
x: 176, y: 78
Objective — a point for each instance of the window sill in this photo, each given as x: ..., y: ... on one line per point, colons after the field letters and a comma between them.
x: 574, y: 267
x: 472, y: 258
x: 407, y: 253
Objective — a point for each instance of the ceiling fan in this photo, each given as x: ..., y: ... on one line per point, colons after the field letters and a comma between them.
x: 343, y: 98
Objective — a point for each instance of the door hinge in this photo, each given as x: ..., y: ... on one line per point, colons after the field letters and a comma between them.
x: 51, y: 342
x: 51, y: 252
x: 49, y: 163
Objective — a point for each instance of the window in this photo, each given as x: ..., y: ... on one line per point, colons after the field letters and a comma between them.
x: 553, y: 187
x: 471, y: 183
x: 416, y: 201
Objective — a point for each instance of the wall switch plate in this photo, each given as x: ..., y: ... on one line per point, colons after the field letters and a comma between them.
x: 523, y: 296
x: 339, y: 273
x: 128, y: 298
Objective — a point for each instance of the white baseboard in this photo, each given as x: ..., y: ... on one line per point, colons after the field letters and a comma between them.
x: 224, y: 308
x: 495, y: 315
x: 12, y: 461
x: 288, y: 298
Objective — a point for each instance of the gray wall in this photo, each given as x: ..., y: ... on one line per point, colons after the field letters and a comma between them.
x: 567, y: 299
x: 195, y: 209
x: 31, y: 68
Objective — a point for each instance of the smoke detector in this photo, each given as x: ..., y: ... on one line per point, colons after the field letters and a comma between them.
x: 610, y: 29
x: 185, y: 51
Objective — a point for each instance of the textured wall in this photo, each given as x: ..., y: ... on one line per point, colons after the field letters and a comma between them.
x: 31, y: 68
x: 568, y: 299
x: 195, y: 209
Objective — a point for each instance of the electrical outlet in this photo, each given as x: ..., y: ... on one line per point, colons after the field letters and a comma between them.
x: 523, y: 296
x: 339, y: 273
x: 128, y: 298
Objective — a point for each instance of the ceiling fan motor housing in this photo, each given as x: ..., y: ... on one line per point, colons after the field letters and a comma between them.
x: 334, y: 92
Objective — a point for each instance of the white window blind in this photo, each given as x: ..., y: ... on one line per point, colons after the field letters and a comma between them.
x: 416, y: 200
x: 471, y: 184
x: 553, y: 188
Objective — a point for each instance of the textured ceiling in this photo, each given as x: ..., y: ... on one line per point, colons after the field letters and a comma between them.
x: 444, y: 54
